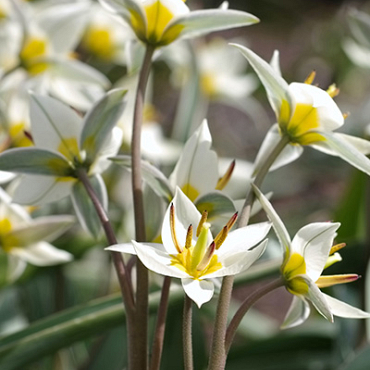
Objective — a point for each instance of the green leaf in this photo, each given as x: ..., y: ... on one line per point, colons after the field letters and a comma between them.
x: 216, y: 204
x: 60, y: 330
x: 34, y: 161
x: 84, y: 206
x: 154, y: 177
x: 99, y: 122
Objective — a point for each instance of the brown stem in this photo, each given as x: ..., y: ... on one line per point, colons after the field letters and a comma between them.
x: 157, y: 348
x: 187, y: 334
x: 141, y: 316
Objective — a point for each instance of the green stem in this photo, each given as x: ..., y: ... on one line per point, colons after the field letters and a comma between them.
x: 218, y: 355
x: 141, y: 317
x: 157, y: 348
x: 245, y: 306
x: 187, y: 334
x: 119, y: 264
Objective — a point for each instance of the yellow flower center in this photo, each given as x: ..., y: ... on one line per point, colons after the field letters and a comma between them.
x: 293, y: 268
x: 19, y: 139
x: 190, y: 191
x: 298, y: 126
x: 98, y: 41
x: 69, y: 148
x: 7, y: 241
x: 31, y: 55
x: 207, y: 84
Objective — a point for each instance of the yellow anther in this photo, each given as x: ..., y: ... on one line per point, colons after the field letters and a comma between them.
x: 232, y: 221
x: 330, y: 280
x: 189, y: 237
x: 336, y: 248
x: 207, y: 257
x: 345, y: 115
x: 172, y: 227
x: 221, y: 236
x: 201, y: 222
x: 333, y: 90
x: 223, y: 181
x: 310, y: 78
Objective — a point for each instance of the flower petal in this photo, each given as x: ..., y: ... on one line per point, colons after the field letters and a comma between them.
x: 155, y: 258
x: 342, y: 309
x: 276, y: 87
x: 314, y: 242
x: 196, y: 172
x: 200, y: 291
x: 125, y: 248
x: 42, y: 254
x: 277, y: 224
x: 298, y: 313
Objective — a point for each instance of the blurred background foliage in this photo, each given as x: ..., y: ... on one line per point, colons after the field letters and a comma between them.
x: 309, y: 35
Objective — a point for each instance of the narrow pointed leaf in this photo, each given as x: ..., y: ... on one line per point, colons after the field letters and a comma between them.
x: 34, y: 161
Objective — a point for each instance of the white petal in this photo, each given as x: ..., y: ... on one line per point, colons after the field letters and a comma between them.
x: 37, y: 190
x: 362, y: 145
x: 15, y: 267
x: 123, y: 248
x: 342, y: 309
x: 289, y: 154
x: 42, y: 254
x: 6, y: 176
x: 200, y: 291
x: 314, y: 242
x: 155, y: 258
x: 197, y: 166
x: 244, y: 238
x: 298, y: 313
x: 278, y: 225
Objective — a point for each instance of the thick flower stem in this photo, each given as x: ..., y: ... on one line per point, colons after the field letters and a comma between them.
x: 187, y: 334
x: 218, y: 355
x: 119, y: 264
x: 246, y: 305
x: 141, y: 316
x: 157, y: 348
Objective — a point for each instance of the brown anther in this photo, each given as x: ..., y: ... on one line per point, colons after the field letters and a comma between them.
x: 232, y: 221
x: 336, y: 248
x: 333, y: 91
x: 223, y: 181
x: 201, y: 222
x: 28, y: 135
x: 221, y: 236
x: 310, y: 78
x: 189, y: 237
x: 207, y: 257
x: 172, y: 227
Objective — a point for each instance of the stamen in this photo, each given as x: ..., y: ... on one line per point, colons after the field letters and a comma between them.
x: 336, y: 248
x: 345, y: 115
x: 172, y: 227
x: 189, y: 237
x: 221, y: 236
x: 201, y: 222
x: 207, y: 257
x: 310, y: 78
x: 28, y: 135
x: 232, y: 221
x: 330, y: 280
x: 223, y: 181
x: 333, y: 91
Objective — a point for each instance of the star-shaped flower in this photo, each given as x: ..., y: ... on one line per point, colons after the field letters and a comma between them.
x: 305, y: 257
x: 192, y: 254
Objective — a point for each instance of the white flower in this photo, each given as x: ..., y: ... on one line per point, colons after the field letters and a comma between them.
x: 160, y: 22
x: 192, y: 254
x: 305, y: 257
x: 306, y: 115
x: 26, y: 240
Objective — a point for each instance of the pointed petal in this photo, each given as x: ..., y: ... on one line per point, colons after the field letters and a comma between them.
x: 6, y: 176
x: 235, y: 263
x: 34, y: 161
x: 14, y: 212
x: 342, y: 309
x: 277, y: 224
x: 200, y: 291
x: 125, y: 248
x: 38, y: 190
x: 345, y: 150
x: 42, y: 254
x: 186, y: 214
x: 314, y: 242
x: 297, y: 314
x: 196, y: 171
x: 276, y: 87
x: 275, y: 62
x: 15, y: 267
x: 155, y: 258
x: 244, y: 238
x: 362, y: 145
x: 201, y: 22
x: 84, y: 206
x: 52, y: 124
x: 289, y: 154
x: 99, y: 122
